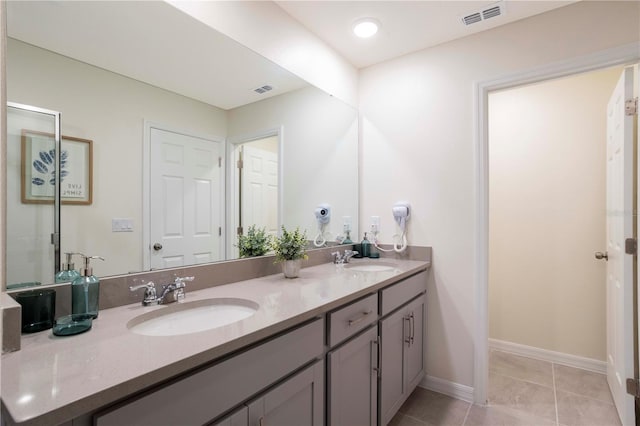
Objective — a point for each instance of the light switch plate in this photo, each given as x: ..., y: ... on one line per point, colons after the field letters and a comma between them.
x: 122, y: 225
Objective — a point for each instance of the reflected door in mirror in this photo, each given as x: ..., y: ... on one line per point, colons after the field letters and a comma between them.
x: 186, y: 199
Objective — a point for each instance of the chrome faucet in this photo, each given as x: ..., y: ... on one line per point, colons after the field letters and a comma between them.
x: 339, y: 259
x: 173, y: 292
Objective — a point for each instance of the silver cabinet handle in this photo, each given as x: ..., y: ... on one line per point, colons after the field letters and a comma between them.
x: 413, y: 328
x: 600, y: 255
x: 408, y: 338
x: 360, y: 318
x: 261, y: 421
x: 378, y: 366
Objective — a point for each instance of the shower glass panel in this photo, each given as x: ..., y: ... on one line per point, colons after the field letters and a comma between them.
x: 33, y: 195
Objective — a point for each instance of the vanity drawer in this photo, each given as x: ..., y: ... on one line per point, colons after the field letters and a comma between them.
x: 398, y: 294
x: 347, y: 321
x: 199, y: 398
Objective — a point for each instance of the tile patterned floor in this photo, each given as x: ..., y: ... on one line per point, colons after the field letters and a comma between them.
x: 522, y: 392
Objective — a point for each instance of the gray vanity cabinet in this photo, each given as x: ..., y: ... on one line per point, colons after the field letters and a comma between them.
x: 238, y: 418
x: 298, y: 401
x: 353, y: 381
x: 402, y: 356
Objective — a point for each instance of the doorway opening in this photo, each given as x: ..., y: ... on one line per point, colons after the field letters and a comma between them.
x: 547, y: 217
x: 623, y: 55
x: 255, y: 186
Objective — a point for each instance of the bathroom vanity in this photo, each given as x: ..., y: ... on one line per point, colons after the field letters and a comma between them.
x: 341, y: 345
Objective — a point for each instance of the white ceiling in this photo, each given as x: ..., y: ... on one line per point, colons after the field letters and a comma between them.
x: 407, y: 26
x: 152, y: 42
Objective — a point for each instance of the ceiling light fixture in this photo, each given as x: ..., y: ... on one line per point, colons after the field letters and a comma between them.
x: 366, y: 27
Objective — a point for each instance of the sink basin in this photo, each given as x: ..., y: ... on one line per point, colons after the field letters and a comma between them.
x: 192, y: 317
x: 371, y: 267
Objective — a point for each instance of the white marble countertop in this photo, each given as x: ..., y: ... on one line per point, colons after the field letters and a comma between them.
x: 54, y: 379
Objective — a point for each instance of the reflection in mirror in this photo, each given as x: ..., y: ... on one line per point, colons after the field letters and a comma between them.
x: 33, y: 136
x: 119, y: 79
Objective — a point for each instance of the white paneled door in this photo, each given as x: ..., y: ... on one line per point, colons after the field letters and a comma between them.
x: 186, y: 199
x: 260, y: 189
x: 620, y: 226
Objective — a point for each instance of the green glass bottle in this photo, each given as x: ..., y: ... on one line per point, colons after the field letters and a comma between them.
x: 85, y: 291
x: 68, y: 272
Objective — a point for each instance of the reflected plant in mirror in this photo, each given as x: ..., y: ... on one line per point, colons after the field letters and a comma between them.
x: 255, y: 243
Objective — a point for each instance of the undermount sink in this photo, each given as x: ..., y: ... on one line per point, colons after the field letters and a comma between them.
x: 192, y: 317
x: 371, y: 267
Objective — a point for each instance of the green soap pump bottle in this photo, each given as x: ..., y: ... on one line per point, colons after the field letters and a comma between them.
x: 85, y: 290
x: 68, y: 273
x: 365, y: 246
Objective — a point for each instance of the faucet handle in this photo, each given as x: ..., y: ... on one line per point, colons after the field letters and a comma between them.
x: 149, y: 292
x: 179, y: 281
x: 337, y: 257
x: 148, y: 286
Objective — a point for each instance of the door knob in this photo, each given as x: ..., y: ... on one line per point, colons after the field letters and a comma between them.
x: 600, y: 255
x: 157, y: 246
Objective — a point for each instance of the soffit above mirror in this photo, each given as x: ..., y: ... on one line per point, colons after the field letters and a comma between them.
x: 146, y: 41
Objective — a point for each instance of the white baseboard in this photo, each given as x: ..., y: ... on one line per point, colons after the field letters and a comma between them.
x: 550, y: 356
x: 454, y: 390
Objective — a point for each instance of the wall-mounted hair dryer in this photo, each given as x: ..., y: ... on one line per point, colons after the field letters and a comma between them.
x: 323, y: 217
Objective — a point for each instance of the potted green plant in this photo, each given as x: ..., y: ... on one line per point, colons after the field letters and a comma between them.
x: 290, y: 248
x: 255, y: 243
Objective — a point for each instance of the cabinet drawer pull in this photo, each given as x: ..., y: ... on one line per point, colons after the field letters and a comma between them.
x: 360, y: 318
x: 261, y: 421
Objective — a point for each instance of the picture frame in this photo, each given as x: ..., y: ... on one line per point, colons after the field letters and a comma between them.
x: 38, y: 168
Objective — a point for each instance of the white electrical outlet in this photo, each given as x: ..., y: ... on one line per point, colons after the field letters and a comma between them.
x: 375, y: 224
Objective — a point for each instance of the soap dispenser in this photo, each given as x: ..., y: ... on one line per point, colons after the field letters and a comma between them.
x: 365, y: 246
x: 85, y: 290
x: 68, y: 272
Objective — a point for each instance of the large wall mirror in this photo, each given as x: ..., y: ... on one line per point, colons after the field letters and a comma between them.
x: 159, y: 109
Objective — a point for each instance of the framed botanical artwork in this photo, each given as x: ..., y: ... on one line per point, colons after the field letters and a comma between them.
x: 38, y: 169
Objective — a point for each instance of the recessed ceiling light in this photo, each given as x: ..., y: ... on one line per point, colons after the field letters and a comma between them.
x: 366, y: 27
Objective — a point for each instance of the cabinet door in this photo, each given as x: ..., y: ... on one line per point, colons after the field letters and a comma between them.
x: 299, y: 401
x: 414, y: 353
x: 353, y: 381
x: 394, y: 338
x: 237, y: 418
x: 402, y: 356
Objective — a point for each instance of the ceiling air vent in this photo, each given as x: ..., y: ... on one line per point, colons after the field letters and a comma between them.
x: 263, y: 89
x: 491, y: 11
x: 472, y: 19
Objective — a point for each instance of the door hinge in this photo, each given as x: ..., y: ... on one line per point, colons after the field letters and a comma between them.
x: 631, y: 106
x: 55, y: 239
x: 219, y: 231
x: 633, y: 387
x: 239, y: 230
x: 631, y: 246
x: 219, y: 161
x: 240, y: 164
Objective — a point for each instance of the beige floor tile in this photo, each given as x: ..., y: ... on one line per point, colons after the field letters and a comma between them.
x: 576, y: 410
x: 501, y: 416
x: 434, y: 408
x: 582, y: 382
x: 524, y: 396
x: 519, y: 367
x: 402, y: 420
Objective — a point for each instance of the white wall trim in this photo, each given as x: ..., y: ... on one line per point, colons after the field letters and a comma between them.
x: 625, y: 54
x: 454, y: 390
x: 550, y: 356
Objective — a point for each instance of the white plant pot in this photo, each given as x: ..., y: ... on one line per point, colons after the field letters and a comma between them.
x: 291, y: 268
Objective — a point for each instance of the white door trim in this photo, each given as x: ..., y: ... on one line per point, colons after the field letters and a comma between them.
x: 146, y: 184
x: 231, y: 201
x: 626, y: 54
